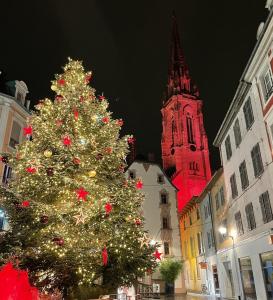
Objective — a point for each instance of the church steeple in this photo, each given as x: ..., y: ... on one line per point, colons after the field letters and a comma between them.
x: 185, y: 152
x: 179, y: 80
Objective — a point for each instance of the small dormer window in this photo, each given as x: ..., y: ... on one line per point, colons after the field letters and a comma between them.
x: 132, y: 174
x: 160, y: 178
x: 164, y: 198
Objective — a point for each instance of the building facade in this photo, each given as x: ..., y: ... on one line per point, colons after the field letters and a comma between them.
x: 245, y: 144
x: 14, y: 111
x: 160, y: 214
x: 184, y: 144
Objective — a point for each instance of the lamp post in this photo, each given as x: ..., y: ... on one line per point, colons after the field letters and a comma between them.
x: 223, y: 231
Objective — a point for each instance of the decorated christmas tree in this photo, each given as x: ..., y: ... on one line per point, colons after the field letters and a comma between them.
x: 74, y: 218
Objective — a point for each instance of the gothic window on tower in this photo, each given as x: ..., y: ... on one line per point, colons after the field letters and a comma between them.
x: 193, y: 167
x: 163, y: 198
x: 166, y: 248
x: 190, y: 130
x: 160, y: 178
x: 173, y: 130
x: 132, y: 174
x: 165, y: 224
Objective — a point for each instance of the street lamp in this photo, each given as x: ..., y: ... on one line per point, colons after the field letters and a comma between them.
x: 223, y: 231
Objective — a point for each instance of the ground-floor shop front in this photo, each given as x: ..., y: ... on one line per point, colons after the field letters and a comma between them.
x: 246, y: 269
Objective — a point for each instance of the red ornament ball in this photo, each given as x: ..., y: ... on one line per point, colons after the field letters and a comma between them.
x: 25, y: 203
x: 61, y: 82
x: 58, y: 241
x: 67, y: 140
x: 105, y: 120
x: 76, y: 161
x: 99, y: 156
x: 138, y: 222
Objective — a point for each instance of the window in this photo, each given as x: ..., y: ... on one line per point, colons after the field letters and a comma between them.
x: 132, y: 174
x: 200, y: 244
x: 257, y: 160
x: 228, y: 147
x: 233, y: 185
x: 267, y: 265
x: 237, y: 133
x: 222, y: 195
x: 239, y: 223
x: 6, y: 174
x: 248, y: 113
x: 197, y: 214
x: 222, y: 237
x: 15, y: 135
x: 250, y: 216
x: 266, y: 207
x: 166, y: 248
x: 247, y: 278
x: 190, y: 130
x: 267, y: 84
x: 164, y: 198
x: 165, y: 223
x: 160, y: 178
x: 217, y: 203
x: 243, y: 175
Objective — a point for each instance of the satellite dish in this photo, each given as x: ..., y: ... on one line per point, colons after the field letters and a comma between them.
x: 260, y: 29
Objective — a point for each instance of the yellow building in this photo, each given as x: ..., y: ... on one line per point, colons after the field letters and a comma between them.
x: 191, y: 243
x: 14, y: 110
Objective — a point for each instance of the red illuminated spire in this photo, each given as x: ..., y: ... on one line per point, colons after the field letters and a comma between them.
x: 179, y: 80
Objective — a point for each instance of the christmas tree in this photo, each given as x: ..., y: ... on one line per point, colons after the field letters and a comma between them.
x: 74, y: 218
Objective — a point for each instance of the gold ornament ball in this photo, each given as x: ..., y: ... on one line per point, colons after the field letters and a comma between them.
x: 92, y: 173
x: 94, y: 118
x: 48, y: 153
x: 54, y: 87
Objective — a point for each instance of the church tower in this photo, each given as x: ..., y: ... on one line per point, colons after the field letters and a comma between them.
x: 184, y: 143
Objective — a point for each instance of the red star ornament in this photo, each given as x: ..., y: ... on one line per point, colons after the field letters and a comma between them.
x: 82, y: 194
x: 27, y: 130
x: 104, y: 256
x: 67, y: 141
x: 131, y: 140
x: 105, y: 120
x: 157, y: 254
x: 87, y: 78
x: 139, y: 184
x: 120, y: 122
x: 31, y: 170
x: 61, y: 82
x: 108, y: 208
x: 25, y: 203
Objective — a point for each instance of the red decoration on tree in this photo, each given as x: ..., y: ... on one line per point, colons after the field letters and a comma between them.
x: 87, y: 78
x: 82, y: 194
x: 137, y: 221
x: 105, y: 120
x: 81, y: 99
x: 157, y: 254
x: 101, y: 97
x: 139, y: 184
x: 76, y: 161
x: 59, y: 122
x: 4, y: 159
x: 59, y: 98
x: 108, y: 208
x: 61, y: 82
x: 27, y: 130
x: 108, y: 150
x: 131, y: 140
x: 120, y: 122
x: 14, y: 285
x: 44, y: 219
x: 58, y: 241
x: 31, y: 170
x: 25, y: 203
x: 66, y: 141
x: 76, y: 114
x: 104, y: 256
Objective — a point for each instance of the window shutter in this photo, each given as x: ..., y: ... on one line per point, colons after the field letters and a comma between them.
x: 263, y: 209
x: 267, y: 206
x: 248, y: 217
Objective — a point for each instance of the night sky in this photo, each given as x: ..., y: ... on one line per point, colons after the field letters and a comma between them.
x: 126, y: 45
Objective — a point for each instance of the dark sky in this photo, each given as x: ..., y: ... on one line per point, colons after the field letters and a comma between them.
x: 126, y: 45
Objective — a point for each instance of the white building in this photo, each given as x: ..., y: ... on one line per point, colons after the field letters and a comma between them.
x: 160, y: 213
x: 245, y: 143
x: 14, y: 110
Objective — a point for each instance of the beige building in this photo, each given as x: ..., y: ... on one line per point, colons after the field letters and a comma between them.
x: 14, y: 111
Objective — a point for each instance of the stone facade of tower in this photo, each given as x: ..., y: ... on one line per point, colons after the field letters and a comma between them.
x: 185, y: 152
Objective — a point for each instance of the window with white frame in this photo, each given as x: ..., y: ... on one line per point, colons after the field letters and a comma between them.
x: 257, y: 160
x: 222, y: 195
x: 248, y: 113
x: 237, y: 133
x: 228, y: 147
x: 266, y: 207
x: 267, y: 84
x: 243, y: 175
x: 250, y: 216
x: 239, y: 223
x: 233, y: 186
x: 163, y: 198
x: 15, y: 135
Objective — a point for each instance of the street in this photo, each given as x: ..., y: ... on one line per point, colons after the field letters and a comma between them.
x: 189, y: 297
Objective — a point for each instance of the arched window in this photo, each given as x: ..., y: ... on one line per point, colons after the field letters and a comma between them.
x: 190, y: 130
